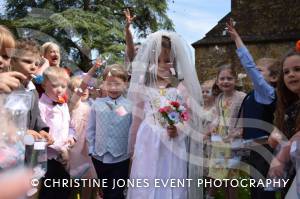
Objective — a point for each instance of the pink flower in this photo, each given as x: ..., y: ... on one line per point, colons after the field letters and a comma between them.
x: 168, y: 109
x: 185, y: 116
x: 175, y: 104
x: 165, y: 109
x: 161, y: 110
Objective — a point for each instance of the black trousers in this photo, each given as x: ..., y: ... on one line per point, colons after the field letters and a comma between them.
x: 112, y: 172
x: 262, y: 166
x: 56, y: 171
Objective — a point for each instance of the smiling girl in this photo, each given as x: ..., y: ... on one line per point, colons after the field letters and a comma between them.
x: 228, y: 103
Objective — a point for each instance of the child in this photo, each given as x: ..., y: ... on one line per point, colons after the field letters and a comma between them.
x: 79, y: 117
x: 228, y: 103
x: 25, y: 60
x: 258, y: 108
x: 287, y: 113
x: 209, y: 103
x: 7, y: 44
x: 209, y: 114
x: 108, y: 130
x: 82, y: 92
x: 50, y: 57
x: 55, y: 113
x: 8, y: 80
x: 50, y: 51
x: 160, y: 150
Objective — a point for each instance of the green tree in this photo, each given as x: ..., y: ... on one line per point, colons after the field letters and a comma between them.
x: 84, y: 25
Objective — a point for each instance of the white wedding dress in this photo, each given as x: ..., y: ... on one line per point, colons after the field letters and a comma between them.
x: 156, y: 156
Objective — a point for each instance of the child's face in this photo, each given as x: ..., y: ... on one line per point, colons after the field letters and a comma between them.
x: 226, y: 81
x: 207, y: 93
x: 164, y: 64
x: 4, y: 60
x: 85, y: 95
x: 27, y: 64
x: 54, y: 89
x: 53, y: 56
x: 291, y: 73
x: 114, y: 86
x: 264, y: 70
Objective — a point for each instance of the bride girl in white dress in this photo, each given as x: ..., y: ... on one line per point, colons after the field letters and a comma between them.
x: 164, y: 71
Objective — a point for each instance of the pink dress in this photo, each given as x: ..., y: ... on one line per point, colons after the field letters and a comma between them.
x: 79, y: 153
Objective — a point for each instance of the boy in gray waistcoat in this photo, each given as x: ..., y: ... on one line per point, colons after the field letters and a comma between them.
x: 108, y: 131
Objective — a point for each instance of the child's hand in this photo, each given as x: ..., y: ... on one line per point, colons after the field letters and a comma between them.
x: 129, y: 18
x: 230, y: 28
x: 47, y: 137
x: 10, y: 81
x: 206, y: 137
x: 64, y: 157
x: 70, y: 142
x: 236, y: 134
x: 172, y: 131
x: 45, y: 64
x: 34, y: 134
x: 276, y: 168
x: 274, y: 139
x: 227, y: 138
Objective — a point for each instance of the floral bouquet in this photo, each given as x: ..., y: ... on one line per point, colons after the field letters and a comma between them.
x: 173, y: 113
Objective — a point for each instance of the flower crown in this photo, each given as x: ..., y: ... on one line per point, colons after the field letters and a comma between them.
x: 298, y: 46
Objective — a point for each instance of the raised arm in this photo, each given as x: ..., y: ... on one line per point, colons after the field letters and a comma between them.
x: 264, y: 93
x: 128, y: 36
x: 234, y: 34
x: 84, y: 84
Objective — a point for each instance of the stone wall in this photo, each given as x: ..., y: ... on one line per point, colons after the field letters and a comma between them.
x: 263, y: 18
x: 269, y: 29
x: 208, y: 58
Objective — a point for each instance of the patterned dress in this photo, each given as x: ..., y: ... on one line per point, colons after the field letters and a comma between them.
x: 222, y: 160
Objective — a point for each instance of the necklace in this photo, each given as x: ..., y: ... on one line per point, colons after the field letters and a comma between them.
x: 162, y: 91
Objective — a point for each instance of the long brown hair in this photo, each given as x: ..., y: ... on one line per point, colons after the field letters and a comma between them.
x: 285, y: 98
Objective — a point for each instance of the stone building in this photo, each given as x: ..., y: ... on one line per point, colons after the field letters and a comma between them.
x: 268, y: 28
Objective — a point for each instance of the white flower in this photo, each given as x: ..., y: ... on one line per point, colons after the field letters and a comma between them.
x: 181, y: 108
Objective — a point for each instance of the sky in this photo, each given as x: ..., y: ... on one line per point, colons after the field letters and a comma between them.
x: 194, y: 18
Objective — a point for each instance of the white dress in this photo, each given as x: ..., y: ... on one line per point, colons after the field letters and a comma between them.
x: 156, y: 156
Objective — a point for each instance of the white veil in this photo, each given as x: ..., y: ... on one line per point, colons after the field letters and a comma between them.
x: 144, y: 73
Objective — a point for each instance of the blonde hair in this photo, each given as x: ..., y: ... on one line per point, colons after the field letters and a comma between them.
x: 47, y: 46
x: 54, y: 73
x: 74, y: 83
x: 7, y: 39
x: 209, y: 83
x: 273, y: 65
x: 116, y: 70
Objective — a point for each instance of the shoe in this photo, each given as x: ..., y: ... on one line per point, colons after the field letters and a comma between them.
x: 80, y: 171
